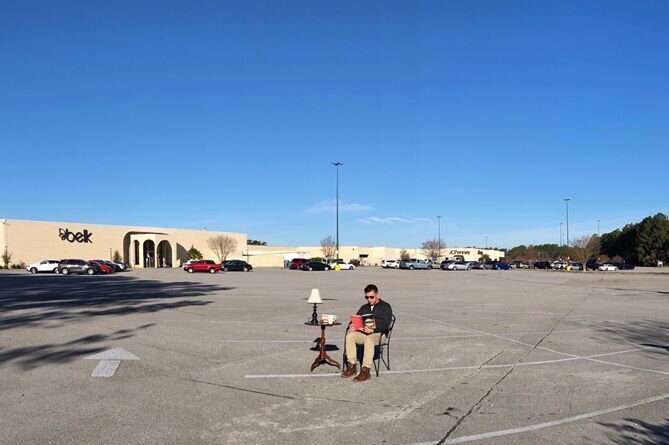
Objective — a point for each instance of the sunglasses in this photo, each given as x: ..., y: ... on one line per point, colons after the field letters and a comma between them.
x: 370, y: 297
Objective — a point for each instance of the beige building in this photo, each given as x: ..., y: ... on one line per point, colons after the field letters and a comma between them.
x: 32, y: 241
x: 142, y: 247
x: 261, y: 256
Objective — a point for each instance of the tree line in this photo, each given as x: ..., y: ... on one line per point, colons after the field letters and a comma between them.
x: 642, y: 244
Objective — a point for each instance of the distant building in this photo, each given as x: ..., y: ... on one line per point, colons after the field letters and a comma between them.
x: 148, y: 247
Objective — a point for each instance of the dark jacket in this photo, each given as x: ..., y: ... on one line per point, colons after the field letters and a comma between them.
x: 383, y: 314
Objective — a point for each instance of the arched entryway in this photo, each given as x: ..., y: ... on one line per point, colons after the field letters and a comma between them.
x: 136, y: 252
x: 164, y: 254
x: 149, y: 253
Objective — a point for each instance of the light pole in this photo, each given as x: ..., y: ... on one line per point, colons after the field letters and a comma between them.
x: 438, y: 236
x: 560, y: 234
x: 598, y: 228
x: 566, y: 201
x: 486, y: 241
x: 337, y: 164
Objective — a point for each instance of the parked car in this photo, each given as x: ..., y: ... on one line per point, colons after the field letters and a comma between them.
x: 541, y: 265
x: 44, y: 266
x: 444, y: 264
x: 390, y: 264
x: 477, y: 265
x: 188, y: 263
x: 557, y: 265
x: 315, y: 265
x: 459, y: 265
x: 104, y: 268
x: 624, y: 266
x: 112, y: 266
x: 70, y: 266
x: 124, y: 266
x: 519, y: 265
x: 414, y: 263
x: 500, y: 265
x: 236, y: 265
x: 203, y: 266
x: 592, y: 265
x: 575, y: 265
x: 607, y: 267
x: 342, y: 265
x: 297, y: 263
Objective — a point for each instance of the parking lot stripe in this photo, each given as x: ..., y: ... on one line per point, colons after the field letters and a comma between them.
x: 538, y: 426
x: 456, y: 368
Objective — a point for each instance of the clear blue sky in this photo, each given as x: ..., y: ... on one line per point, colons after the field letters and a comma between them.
x: 227, y: 115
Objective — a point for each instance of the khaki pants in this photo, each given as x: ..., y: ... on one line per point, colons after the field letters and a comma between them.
x: 354, y: 338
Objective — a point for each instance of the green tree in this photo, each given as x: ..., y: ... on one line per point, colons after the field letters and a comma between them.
x: 117, y: 256
x: 194, y: 254
x: 652, y: 241
x: 6, y: 258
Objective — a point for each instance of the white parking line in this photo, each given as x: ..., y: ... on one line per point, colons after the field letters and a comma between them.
x: 538, y: 426
x: 440, y: 337
x: 452, y: 368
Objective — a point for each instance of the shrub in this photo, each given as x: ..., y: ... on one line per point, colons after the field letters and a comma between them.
x: 19, y: 265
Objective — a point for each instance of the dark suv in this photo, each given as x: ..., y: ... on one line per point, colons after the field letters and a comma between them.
x: 67, y: 267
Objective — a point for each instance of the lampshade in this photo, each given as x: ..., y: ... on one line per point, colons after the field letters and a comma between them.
x: 315, y: 297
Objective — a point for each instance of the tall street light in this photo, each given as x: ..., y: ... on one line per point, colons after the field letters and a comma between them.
x: 438, y: 236
x: 337, y: 164
x: 560, y: 234
x: 566, y: 201
x: 598, y: 228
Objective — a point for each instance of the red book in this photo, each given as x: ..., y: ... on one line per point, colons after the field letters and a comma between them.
x: 359, y: 321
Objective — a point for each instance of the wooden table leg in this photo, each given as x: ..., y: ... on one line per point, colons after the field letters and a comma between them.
x: 323, y: 357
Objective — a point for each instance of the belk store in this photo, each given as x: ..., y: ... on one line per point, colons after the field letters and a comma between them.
x: 148, y: 247
x: 143, y: 247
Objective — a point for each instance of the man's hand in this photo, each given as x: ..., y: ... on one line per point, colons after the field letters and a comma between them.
x: 367, y: 330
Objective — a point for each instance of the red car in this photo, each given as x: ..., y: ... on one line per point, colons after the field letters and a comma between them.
x: 103, y: 267
x: 203, y: 266
x: 297, y: 263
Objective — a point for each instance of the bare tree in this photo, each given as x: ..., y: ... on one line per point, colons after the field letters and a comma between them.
x: 585, y: 247
x: 328, y: 247
x: 404, y: 255
x: 432, y: 248
x: 222, y: 246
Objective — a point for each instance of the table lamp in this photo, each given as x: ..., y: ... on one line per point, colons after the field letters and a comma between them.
x: 315, y: 298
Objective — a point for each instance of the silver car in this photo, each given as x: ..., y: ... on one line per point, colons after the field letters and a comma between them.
x: 460, y: 265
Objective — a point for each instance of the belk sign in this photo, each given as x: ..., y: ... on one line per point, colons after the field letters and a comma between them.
x: 80, y: 237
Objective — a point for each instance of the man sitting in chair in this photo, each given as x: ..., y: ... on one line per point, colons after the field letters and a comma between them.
x: 369, y: 337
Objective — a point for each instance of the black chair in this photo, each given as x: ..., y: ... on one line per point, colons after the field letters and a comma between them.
x: 381, y: 350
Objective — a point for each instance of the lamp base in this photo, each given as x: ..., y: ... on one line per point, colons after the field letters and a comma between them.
x: 314, y: 317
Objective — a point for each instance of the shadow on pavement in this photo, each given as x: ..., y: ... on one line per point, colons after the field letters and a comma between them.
x: 33, y: 300
x: 638, y: 432
x: 643, y: 333
x: 28, y: 357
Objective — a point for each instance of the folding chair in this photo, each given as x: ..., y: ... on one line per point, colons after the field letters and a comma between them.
x: 381, y: 350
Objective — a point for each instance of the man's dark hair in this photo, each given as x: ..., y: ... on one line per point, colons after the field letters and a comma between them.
x: 371, y: 288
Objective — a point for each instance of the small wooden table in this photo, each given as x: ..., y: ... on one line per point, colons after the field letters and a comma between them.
x: 323, y: 357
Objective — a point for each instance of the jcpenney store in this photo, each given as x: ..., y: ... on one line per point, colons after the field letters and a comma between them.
x: 143, y: 247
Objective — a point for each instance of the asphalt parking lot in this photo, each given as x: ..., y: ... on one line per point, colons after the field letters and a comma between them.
x: 489, y: 357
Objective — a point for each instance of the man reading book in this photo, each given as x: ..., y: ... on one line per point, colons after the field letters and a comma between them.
x: 381, y: 314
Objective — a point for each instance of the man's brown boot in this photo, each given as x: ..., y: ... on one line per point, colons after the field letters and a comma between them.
x: 350, y: 370
x: 364, y: 375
